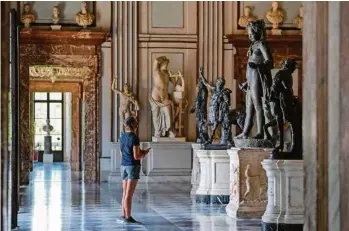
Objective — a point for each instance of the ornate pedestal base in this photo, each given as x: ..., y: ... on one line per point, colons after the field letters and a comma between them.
x: 285, y: 209
x: 248, y: 183
x: 195, y: 172
x: 56, y: 27
x: 214, y: 177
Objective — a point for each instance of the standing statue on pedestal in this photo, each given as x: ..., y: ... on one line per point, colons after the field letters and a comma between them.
x: 161, y: 105
x: 200, y: 107
x: 285, y: 107
x: 128, y: 104
x: 218, y: 102
x: 48, y: 142
x: 259, y: 80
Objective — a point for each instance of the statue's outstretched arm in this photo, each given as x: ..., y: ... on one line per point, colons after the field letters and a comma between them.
x: 113, y: 87
x: 204, y: 80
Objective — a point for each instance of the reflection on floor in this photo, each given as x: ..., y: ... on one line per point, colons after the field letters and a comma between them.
x: 53, y: 201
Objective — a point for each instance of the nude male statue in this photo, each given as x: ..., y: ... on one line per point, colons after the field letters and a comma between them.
x: 161, y: 105
x: 128, y: 104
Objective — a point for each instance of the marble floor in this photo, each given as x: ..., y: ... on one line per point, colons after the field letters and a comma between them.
x: 57, y: 201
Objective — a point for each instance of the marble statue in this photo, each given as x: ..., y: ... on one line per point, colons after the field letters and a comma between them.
x: 128, y: 104
x: 275, y: 16
x: 161, y: 105
x: 285, y: 107
x: 259, y: 80
x: 247, y: 17
x: 298, y: 20
x: 200, y: 107
x: 218, y: 108
x: 55, y: 15
x: 84, y: 18
x: 180, y: 103
x: 27, y: 17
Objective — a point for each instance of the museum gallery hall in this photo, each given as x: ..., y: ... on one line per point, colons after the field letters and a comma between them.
x: 174, y: 115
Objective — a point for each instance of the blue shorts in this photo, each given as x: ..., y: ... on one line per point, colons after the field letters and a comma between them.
x: 130, y: 172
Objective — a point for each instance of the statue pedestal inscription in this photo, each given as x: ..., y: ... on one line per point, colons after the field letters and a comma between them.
x: 195, y: 173
x: 285, y: 209
x: 214, y: 177
x: 248, y: 182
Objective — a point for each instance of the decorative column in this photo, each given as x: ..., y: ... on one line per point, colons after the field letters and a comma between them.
x: 124, y: 55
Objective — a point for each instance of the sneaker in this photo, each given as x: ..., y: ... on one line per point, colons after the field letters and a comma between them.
x: 131, y: 220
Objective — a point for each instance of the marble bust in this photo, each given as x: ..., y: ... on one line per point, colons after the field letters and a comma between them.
x: 84, y: 18
x: 247, y: 17
x: 298, y: 20
x: 162, y: 106
x: 275, y: 15
x: 27, y: 16
x: 55, y: 15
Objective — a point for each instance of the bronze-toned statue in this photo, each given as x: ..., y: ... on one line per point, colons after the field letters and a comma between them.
x: 259, y: 80
x: 225, y: 118
x: 285, y: 107
x: 27, y: 16
x: 200, y: 107
x: 298, y: 20
x: 276, y: 16
x: 84, y: 18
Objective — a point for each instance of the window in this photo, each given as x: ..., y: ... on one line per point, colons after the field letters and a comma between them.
x: 48, y: 106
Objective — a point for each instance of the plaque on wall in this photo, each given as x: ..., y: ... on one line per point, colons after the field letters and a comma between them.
x: 260, y: 10
x: 68, y: 11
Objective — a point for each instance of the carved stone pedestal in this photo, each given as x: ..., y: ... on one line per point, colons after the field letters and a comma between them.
x: 248, y: 182
x: 285, y: 209
x: 195, y: 172
x: 214, y: 177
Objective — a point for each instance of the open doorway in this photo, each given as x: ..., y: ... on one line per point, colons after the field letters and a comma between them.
x: 49, y: 106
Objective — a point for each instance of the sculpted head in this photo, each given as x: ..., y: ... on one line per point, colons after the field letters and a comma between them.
x: 26, y: 8
x: 162, y: 62
x: 289, y: 64
x: 256, y: 30
x: 247, y: 11
x: 84, y: 6
x: 126, y: 88
x: 275, y: 5
x: 55, y: 12
x: 220, y: 82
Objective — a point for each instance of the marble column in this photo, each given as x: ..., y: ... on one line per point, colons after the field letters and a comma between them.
x: 124, y: 55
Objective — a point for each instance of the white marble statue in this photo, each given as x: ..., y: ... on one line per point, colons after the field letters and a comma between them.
x: 162, y: 106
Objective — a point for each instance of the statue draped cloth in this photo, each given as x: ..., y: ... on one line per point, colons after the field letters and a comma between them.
x: 163, y: 115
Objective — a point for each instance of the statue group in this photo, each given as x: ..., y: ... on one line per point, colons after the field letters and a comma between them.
x: 270, y: 99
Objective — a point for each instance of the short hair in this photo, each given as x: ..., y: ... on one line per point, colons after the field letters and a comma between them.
x: 130, y: 123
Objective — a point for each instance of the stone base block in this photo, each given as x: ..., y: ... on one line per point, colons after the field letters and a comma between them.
x: 169, y: 139
x: 47, y: 158
x: 214, y: 176
x: 195, y: 173
x: 248, y: 182
x: 285, y: 195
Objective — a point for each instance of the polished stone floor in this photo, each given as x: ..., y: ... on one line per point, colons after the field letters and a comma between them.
x: 55, y: 201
